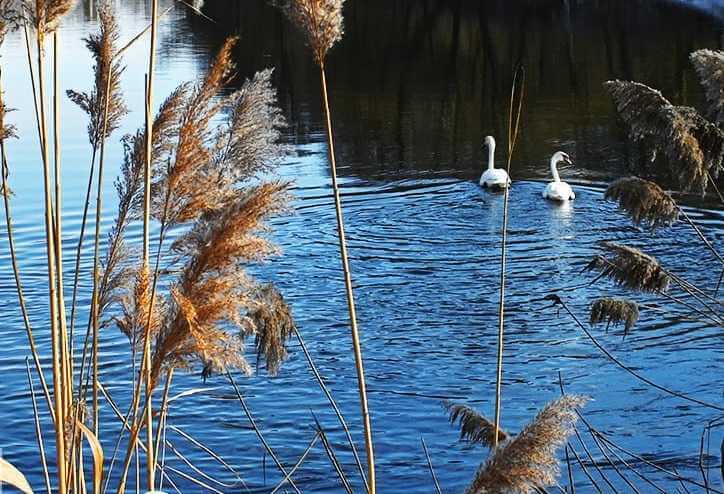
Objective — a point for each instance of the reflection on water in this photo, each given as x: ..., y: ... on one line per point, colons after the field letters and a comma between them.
x: 416, y: 86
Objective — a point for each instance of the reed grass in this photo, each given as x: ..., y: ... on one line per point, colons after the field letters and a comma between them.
x: 709, y: 66
x: 474, y: 427
x: 322, y: 24
x: 631, y: 268
x: 527, y: 461
x: 692, y: 147
x: 12, y: 476
x: 644, y: 201
x: 613, y: 311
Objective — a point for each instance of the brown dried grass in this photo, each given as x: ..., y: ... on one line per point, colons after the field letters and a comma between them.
x: 528, y: 461
x: 321, y: 22
x: 273, y: 325
x: 474, y: 427
x: 709, y: 66
x: 631, y: 268
x: 693, y: 148
x: 45, y: 15
x: 614, y: 311
x: 644, y: 201
x: 102, y: 46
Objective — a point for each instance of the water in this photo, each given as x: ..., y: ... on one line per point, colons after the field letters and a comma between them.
x: 415, y: 87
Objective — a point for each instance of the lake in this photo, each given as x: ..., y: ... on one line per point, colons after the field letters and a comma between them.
x: 415, y: 87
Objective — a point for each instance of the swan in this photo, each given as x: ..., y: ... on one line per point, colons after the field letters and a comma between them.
x: 494, y: 178
x: 557, y: 190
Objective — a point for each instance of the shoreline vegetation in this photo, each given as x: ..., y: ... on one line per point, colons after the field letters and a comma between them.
x: 199, y: 176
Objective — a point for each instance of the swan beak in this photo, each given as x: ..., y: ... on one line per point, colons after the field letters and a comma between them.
x: 567, y: 160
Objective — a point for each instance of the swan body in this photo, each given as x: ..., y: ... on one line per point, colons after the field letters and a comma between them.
x: 493, y: 178
x: 557, y: 190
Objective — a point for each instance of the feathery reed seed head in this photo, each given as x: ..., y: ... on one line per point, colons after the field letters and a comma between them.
x: 644, y: 201
x: 631, y: 268
x: 9, y: 18
x: 474, y: 427
x: 528, y: 461
x: 45, y: 15
x: 321, y: 22
x: 693, y: 147
x: 615, y: 311
x: 709, y: 66
x: 273, y: 325
x: 102, y: 46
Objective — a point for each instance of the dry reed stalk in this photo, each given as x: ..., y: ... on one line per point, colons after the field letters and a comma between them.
x: 297, y: 464
x: 273, y: 326
x: 528, y: 460
x: 321, y: 22
x: 615, y: 311
x: 644, y: 201
x: 146, y: 238
x: 709, y: 66
x: 430, y: 467
x: 12, y: 476
x: 631, y: 268
x: 513, y: 128
x: 38, y: 430
x: 474, y: 427
x: 332, y: 457
x: 7, y: 132
x: 45, y: 16
x: 692, y: 146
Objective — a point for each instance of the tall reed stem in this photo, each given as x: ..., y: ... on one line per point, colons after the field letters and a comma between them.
x: 151, y: 457
x: 512, y: 136
x: 52, y: 297
x: 67, y: 369
x: 348, y: 288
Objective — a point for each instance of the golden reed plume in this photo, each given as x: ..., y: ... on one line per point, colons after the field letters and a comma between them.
x: 474, y: 427
x: 709, y: 66
x: 102, y: 46
x: 614, y: 311
x: 321, y: 22
x: 273, y: 325
x: 631, y: 268
x: 644, y: 201
x: 528, y: 461
x: 692, y: 146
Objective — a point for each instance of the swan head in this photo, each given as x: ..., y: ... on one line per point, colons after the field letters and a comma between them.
x: 560, y: 156
x: 489, y: 142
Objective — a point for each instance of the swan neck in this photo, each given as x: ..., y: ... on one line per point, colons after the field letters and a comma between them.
x: 491, y: 156
x: 554, y: 170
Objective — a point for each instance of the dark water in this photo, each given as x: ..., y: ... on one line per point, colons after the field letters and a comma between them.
x: 416, y: 85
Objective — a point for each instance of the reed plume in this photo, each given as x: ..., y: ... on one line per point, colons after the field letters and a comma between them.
x: 321, y: 22
x: 692, y: 146
x: 102, y: 46
x: 474, y: 427
x: 527, y: 462
x: 614, y: 311
x: 213, y: 292
x: 273, y: 325
x: 709, y: 66
x: 644, y: 201
x: 7, y: 131
x: 45, y: 15
x: 9, y: 18
x: 631, y: 268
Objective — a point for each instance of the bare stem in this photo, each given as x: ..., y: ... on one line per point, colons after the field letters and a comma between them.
x: 350, y: 294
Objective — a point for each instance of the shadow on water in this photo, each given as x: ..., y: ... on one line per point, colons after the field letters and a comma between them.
x: 416, y: 85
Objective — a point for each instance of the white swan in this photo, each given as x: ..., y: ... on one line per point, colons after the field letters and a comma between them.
x: 557, y: 190
x: 494, y: 178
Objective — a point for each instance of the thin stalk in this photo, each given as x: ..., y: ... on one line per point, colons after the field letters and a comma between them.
x: 701, y: 235
x: 38, y: 430
x: 28, y: 52
x: 585, y: 470
x: 359, y: 364
x: 333, y: 404
x: 151, y: 463
x: 50, y: 252
x: 296, y: 465
x: 268, y: 448
x: 96, y: 252
x: 429, y: 466
x: 164, y: 413
x: 65, y: 356
x: 16, y: 270
x: 512, y: 136
x: 332, y: 457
